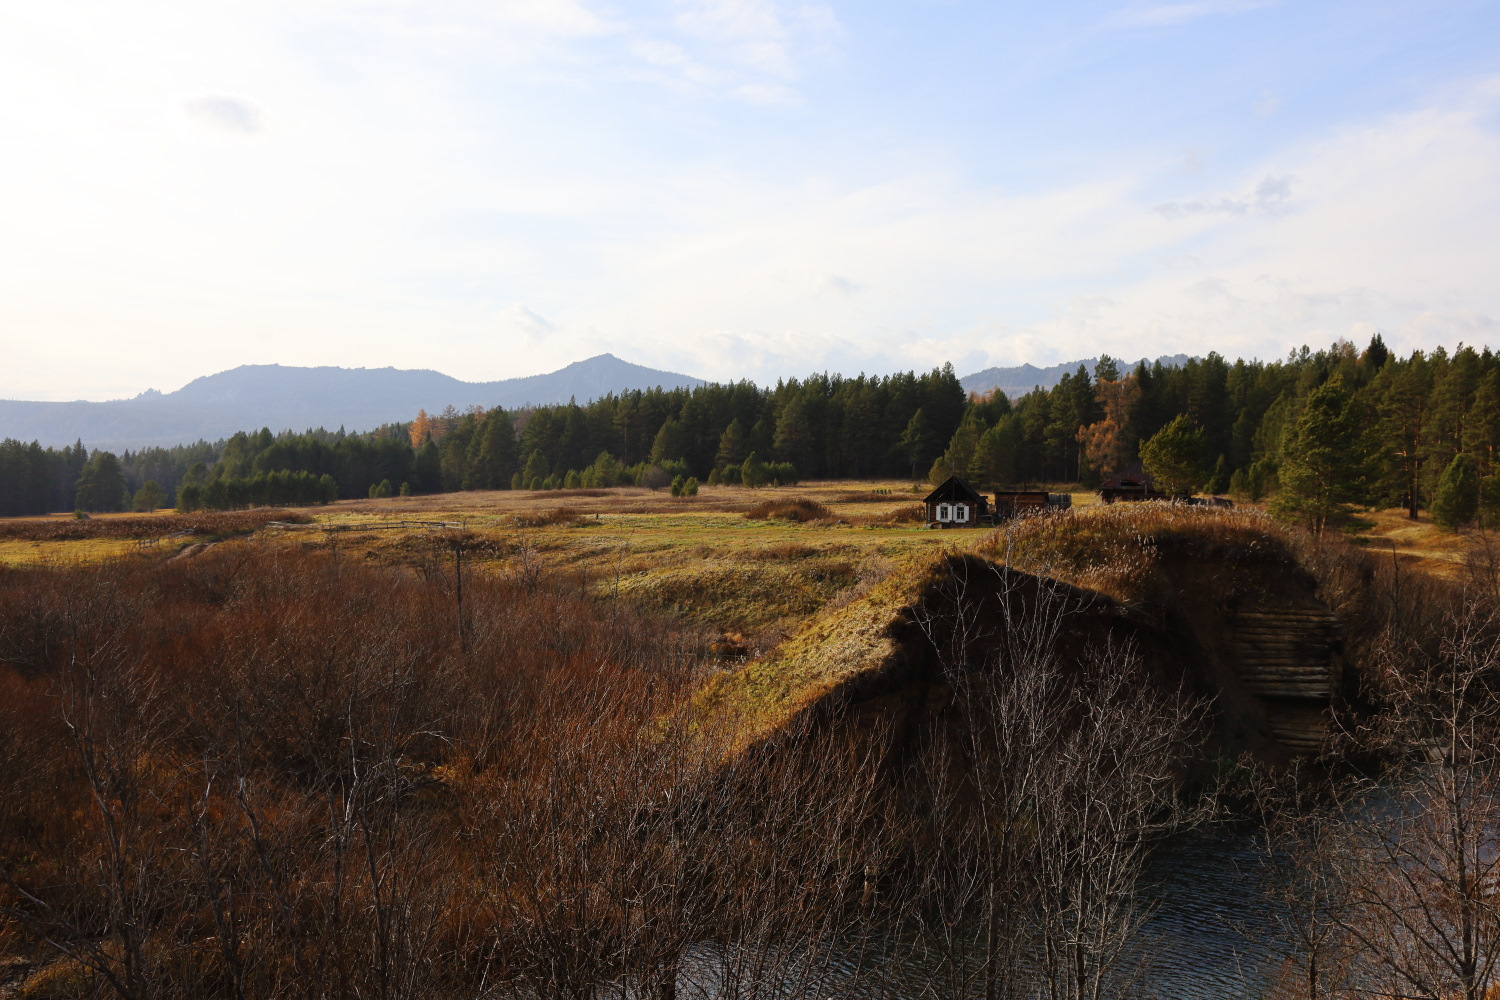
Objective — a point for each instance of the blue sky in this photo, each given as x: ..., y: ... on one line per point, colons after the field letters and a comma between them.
x: 735, y: 187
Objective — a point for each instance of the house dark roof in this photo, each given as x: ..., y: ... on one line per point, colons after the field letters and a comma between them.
x: 954, y: 489
x: 1131, y: 478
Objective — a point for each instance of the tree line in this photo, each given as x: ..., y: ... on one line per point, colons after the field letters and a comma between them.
x: 1318, y: 434
x: 824, y: 426
x: 1321, y: 432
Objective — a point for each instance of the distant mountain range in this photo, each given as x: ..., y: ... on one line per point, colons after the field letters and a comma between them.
x: 280, y: 397
x: 1021, y: 380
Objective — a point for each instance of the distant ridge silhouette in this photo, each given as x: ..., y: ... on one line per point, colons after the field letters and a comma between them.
x: 281, y: 397
x: 1022, y: 379
x: 284, y: 397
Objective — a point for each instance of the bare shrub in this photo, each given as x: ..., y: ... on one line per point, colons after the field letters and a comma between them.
x: 800, y: 509
x: 1421, y: 860
x: 559, y: 516
x: 265, y: 773
x: 1063, y: 772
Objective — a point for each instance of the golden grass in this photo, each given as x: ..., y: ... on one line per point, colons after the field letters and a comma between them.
x: 145, y: 526
x: 61, y: 979
x: 825, y: 651
x: 1419, y: 544
x: 698, y: 558
x: 19, y: 552
x: 796, y: 509
x: 1116, y: 549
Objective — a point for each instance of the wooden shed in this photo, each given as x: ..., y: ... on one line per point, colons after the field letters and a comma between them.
x: 956, y: 504
x: 1129, y: 484
x: 1014, y: 503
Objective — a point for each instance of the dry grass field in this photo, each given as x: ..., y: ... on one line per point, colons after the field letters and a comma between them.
x: 300, y: 706
x: 1420, y: 544
x: 748, y: 563
x: 713, y: 559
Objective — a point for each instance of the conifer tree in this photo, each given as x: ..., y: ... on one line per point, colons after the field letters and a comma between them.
x: 914, y: 440
x: 1323, y: 466
x: 1218, y: 482
x: 535, y: 471
x: 1456, y: 501
x: 491, y: 460
x: 1174, y: 456
x: 668, y: 444
x: 428, y: 467
x: 964, y: 445
x: 101, y: 485
x: 731, y: 445
x: 753, y: 471
x: 149, y: 497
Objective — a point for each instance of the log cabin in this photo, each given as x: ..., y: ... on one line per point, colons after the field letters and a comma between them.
x: 956, y: 504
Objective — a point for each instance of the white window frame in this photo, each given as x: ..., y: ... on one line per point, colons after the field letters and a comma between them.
x: 961, y: 513
x: 944, y: 513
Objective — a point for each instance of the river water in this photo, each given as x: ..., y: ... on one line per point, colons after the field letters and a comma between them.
x: 1210, y: 936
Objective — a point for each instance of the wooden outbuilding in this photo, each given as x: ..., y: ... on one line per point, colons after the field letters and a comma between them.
x: 1014, y: 503
x: 1133, y: 483
x: 956, y: 504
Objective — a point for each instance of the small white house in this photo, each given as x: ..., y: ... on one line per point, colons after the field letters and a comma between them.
x: 955, y: 504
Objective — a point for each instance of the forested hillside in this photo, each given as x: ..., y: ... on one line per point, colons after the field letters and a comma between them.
x: 1385, y: 430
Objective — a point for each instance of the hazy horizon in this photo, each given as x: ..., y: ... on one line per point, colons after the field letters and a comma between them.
x: 735, y: 188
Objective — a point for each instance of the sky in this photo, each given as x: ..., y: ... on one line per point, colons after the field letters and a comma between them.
x: 735, y: 188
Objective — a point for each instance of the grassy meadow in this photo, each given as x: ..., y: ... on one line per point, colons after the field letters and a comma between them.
x: 713, y: 560
x: 268, y: 753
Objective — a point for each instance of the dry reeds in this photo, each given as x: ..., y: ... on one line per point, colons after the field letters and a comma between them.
x: 912, y: 513
x: 222, y: 524
x: 798, y: 509
x: 557, y: 517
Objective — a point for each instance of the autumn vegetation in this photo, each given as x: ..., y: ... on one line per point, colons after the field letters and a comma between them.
x: 1318, y: 436
x: 277, y: 767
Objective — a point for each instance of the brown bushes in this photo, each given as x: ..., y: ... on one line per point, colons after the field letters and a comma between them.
x: 914, y: 513
x: 800, y: 509
x: 224, y: 524
x: 266, y: 772
x: 560, y: 516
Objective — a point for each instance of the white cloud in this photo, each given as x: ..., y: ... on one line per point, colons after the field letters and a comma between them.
x: 519, y: 320
x: 759, y: 36
x: 559, y: 18
x: 1168, y: 15
x: 837, y: 284
x: 223, y: 113
x: 399, y: 213
x: 1270, y: 196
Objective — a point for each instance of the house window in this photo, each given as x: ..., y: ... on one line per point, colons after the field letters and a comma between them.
x: 960, y: 512
x: 945, y: 512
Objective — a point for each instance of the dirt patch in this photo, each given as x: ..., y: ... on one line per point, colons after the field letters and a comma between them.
x: 190, y: 551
